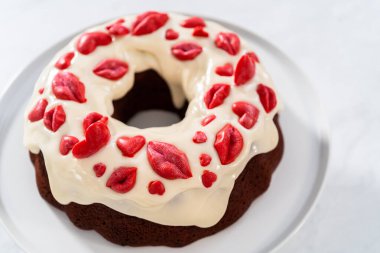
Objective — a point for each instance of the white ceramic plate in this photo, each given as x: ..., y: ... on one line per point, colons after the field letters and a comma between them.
x: 39, y: 228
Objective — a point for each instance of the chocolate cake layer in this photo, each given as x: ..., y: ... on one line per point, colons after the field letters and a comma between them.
x: 151, y: 92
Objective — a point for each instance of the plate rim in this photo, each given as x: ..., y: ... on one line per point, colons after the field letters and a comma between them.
x: 324, y: 128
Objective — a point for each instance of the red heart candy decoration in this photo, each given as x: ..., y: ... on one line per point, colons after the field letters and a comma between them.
x: 64, y: 61
x: 97, y: 136
x: 67, y: 144
x: 228, y: 144
x: 225, y: 70
x: 193, y: 22
x: 67, y: 86
x: 267, y: 97
x: 99, y: 169
x: 41, y: 90
x: 156, y: 187
x: 54, y: 118
x: 248, y: 113
x: 93, y: 117
x: 185, y: 51
x: 200, y: 32
x: 205, y: 160
x: 123, y: 179
x: 129, y: 146
x: 38, y: 110
x: 168, y: 161
x: 148, y: 22
x: 170, y: 34
x: 88, y: 42
x: 199, y: 137
x: 112, y: 69
x: 117, y: 28
x: 245, y: 70
x: 229, y: 42
x: 208, y: 119
x: 208, y: 178
x: 216, y: 95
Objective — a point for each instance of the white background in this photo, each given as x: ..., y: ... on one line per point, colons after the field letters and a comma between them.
x: 336, y: 43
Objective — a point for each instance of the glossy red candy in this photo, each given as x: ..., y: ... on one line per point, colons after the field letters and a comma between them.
x: 229, y: 42
x: 112, y: 69
x: 248, y: 113
x: 186, y: 51
x: 168, y: 161
x: 228, y: 144
x: 200, y: 32
x: 208, y: 178
x: 123, y: 179
x: 54, y: 118
x: 156, y: 187
x: 64, y: 61
x: 117, y: 28
x: 245, y: 70
x: 267, y: 97
x: 208, y: 119
x: 67, y: 86
x: 216, y: 94
x: 88, y: 42
x: 67, y: 144
x: 97, y: 136
x: 204, y: 160
x: 199, y: 137
x: 171, y: 34
x: 93, y: 117
x: 99, y: 169
x: 37, y: 113
x: 129, y: 146
x: 225, y: 70
x: 148, y: 22
x: 193, y: 22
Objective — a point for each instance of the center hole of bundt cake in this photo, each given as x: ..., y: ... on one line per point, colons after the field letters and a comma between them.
x: 148, y: 103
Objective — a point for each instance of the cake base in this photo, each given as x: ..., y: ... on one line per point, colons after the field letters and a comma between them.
x: 128, y: 230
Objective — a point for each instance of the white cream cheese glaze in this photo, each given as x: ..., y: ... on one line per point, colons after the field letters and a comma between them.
x: 186, y: 201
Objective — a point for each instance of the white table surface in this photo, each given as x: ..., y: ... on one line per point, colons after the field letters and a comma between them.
x: 336, y: 43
